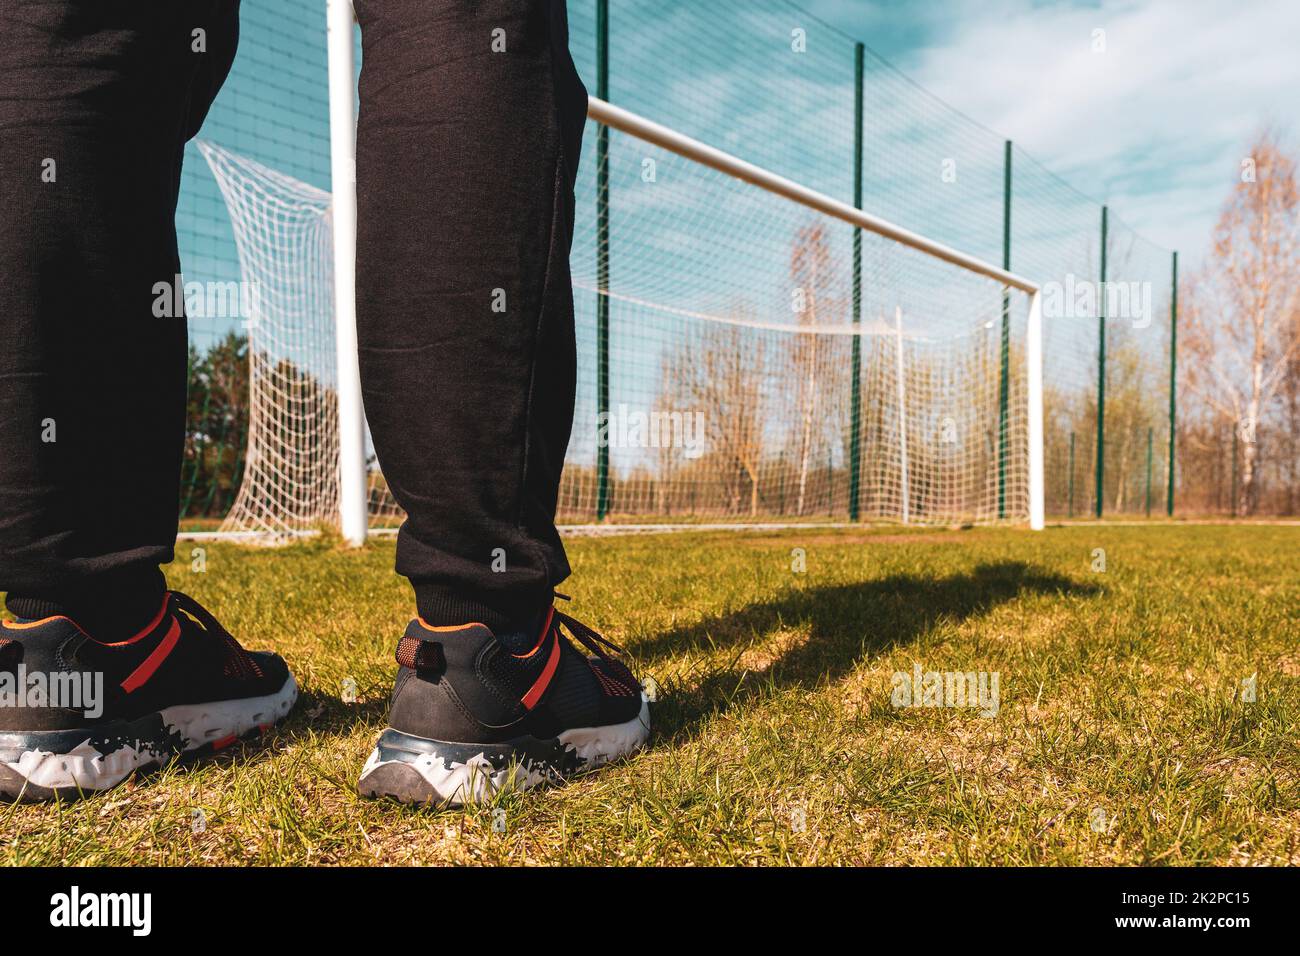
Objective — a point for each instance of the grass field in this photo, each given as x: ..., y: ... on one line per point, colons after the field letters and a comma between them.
x: 1124, y: 731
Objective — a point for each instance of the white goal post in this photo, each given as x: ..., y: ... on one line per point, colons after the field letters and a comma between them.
x: 353, y: 518
x: 352, y: 484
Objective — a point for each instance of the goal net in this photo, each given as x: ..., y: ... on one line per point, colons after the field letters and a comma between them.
x: 797, y: 367
x: 283, y: 234
x: 749, y: 351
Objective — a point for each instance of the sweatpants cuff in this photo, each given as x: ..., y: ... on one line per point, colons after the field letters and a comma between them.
x: 107, y: 606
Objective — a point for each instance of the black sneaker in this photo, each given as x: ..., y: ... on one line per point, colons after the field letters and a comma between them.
x: 181, y: 685
x: 470, y: 718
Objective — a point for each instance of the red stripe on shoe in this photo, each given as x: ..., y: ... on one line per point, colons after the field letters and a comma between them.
x: 541, y: 637
x: 539, y: 687
x: 154, y: 660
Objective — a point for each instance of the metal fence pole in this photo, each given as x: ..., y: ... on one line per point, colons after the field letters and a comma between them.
x: 1071, y: 474
x: 1233, y: 503
x: 1150, y: 448
x: 1100, y: 490
x: 1173, y: 381
x: 602, y: 261
x: 1004, y: 368
x: 855, y: 414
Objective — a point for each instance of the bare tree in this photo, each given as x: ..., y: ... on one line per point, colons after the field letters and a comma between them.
x: 720, y: 373
x: 1240, y: 321
x: 812, y: 277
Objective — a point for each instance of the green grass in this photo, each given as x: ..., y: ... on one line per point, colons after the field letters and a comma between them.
x: 1122, y: 734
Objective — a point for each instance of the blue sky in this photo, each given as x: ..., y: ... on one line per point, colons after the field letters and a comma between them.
x: 1157, y: 125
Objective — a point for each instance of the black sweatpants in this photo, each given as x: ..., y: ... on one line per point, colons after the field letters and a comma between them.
x: 470, y: 129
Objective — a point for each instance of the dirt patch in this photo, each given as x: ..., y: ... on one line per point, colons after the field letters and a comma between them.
x: 761, y: 656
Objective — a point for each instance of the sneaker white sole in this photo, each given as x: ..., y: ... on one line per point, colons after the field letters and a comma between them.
x: 43, y: 765
x: 427, y: 776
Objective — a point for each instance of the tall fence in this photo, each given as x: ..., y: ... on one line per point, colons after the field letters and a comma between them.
x: 774, y: 85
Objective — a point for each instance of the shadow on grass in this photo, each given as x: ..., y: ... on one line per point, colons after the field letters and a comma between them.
x: 327, y: 715
x: 846, y: 624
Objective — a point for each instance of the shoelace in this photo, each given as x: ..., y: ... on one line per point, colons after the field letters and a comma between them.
x: 584, y: 634
x: 200, y: 614
x: 243, y: 662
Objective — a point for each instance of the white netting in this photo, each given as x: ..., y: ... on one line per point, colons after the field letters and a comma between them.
x: 731, y: 358
x: 737, y: 304
x: 284, y: 237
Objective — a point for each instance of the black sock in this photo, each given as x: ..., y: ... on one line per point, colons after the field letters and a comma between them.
x: 110, y: 609
x: 516, y: 627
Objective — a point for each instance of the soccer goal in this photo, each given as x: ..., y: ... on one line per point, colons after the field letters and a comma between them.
x: 838, y: 367
x: 753, y: 351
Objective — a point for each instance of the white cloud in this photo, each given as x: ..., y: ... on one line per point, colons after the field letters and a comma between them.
x: 1156, y: 125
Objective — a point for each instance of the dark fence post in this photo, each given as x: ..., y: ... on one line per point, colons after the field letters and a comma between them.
x: 1173, y: 382
x: 1071, y: 474
x: 1150, y: 444
x: 1233, y: 503
x: 855, y: 413
x: 602, y: 262
x: 1101, y: 376
x: 1004, y: 367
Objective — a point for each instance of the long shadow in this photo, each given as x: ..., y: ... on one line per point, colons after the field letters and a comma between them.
x: 846, y: 624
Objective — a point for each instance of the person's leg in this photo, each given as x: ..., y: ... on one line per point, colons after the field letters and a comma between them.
x: 99, y: 99
x: 467, y: 147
